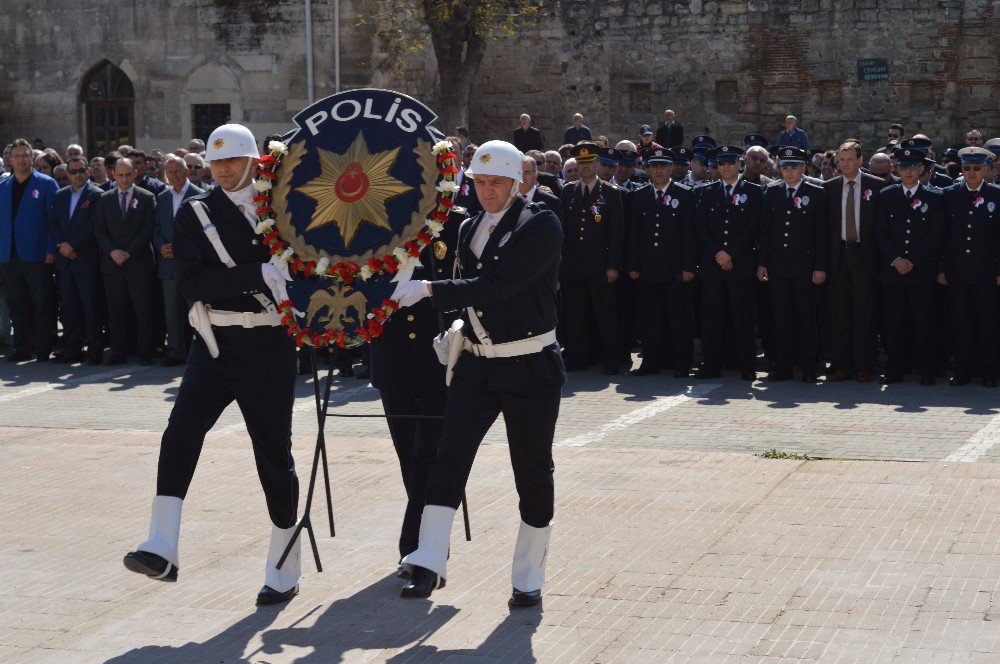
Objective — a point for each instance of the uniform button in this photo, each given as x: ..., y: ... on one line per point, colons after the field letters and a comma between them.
x: 906, y: 242
x: 253, y: 241
x: 725, y: 232
x: 968, y: 251
x: 726, y: 221
x: 656, y: 244
x: 786, y: 234
x: 788, y: 223
x: 479, y: 266
x: 656, y: 235
x: 529, y: 334
x: 970, y: 225
x: 788, y: 211
x: 907, y: 221
x: 907, y: 230
x: 410, y: 318
x: 413, y: 335
x: 479, y: 312
x: 784, y: 245
x: 969, y: 239
x: 725, y: 244
x: 970, y: 211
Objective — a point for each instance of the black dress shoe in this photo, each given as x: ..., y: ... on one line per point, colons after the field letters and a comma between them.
x: 808, y: 377
x: 364, y: 373
x: 777, y: 376
x: 422, y: 583
x: 145, y: 361
x: 172, y: 362
x: 610, y: 370
x: 682, y: 373
x: 708, y: 373
x: 42, y: 357
x: 152, y: 565
x: 959, y: 381
x: 989, y: 382
x: 115, y: 360
x: 404, y: 573
x: 67, y: 358
x: 18, y: 357
x: 890, y: 379
x: 269, y: 595
x: 645, y: 369
x: 95, y: 358
x: 749, y: 374
x: 927, y: 381
x: 520, y: 599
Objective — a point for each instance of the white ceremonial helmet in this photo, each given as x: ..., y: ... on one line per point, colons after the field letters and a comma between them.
x: 231, y: 140
x: 496, y: 158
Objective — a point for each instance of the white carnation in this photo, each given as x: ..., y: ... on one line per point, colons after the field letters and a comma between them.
x: 434, y: 227
x: 441, y: 147
x: 262, y: 185
x: 265, y: 226
x: 322, y: 264
x: 448, y: 186
x: 365, y: 273
x: 277, y: 146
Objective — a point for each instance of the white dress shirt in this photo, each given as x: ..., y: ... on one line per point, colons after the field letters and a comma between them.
x: 74, y: 199
x: 178, y: 198
x: 485, y: 229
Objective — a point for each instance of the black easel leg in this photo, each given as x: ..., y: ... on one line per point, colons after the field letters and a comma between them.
x: 465, y: 516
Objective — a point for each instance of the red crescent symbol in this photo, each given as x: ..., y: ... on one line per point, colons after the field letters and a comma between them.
x: 352, y: 185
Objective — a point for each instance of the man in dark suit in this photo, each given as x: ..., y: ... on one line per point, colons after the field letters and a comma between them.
x: 142, y: 178
x: 71, y: 227
x: 794, y: 256
x: 527, y: 137
x: 728, y: 223
x: 126, y: 216
x: 909, y: 229
x: 168, y: 202
x: 670, y: 134
x: 544, y: 178
x: 26, y: 251
x: 592, y: 259
x: 852, y: 199
x: 662, y: 256
x: 971, y: 267
x: 528, y: 188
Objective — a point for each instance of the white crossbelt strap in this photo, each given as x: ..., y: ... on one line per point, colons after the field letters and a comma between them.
x: 525, y: 346
x: 220, y: 318
x: 213, y: 236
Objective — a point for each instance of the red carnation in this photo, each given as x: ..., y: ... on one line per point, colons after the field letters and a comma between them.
x: 424, y: 237
x: 375, y: 264
x: 379, y: 313
x: 391, y: 264
x: 391, y: 305
x: 268, y: 160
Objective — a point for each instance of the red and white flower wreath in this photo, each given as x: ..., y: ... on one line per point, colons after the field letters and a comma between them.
x: 346, y: 272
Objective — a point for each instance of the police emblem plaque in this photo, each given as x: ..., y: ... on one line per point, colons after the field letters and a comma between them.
x: 364, y: 183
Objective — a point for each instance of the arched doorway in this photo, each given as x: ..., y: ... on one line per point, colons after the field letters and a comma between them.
x: 109, y: 101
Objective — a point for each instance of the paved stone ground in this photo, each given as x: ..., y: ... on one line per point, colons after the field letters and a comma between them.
x: 673, y: 541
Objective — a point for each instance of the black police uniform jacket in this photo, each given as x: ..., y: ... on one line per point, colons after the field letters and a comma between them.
x: 663, y: 239
x: 593, y: 228
x: 403, y: 358
x: 730, y: 224
x: 972, y: 242
x: 914, y: 231
x: 258, y: 353
x: 794, y: 239
x: 512, y: 288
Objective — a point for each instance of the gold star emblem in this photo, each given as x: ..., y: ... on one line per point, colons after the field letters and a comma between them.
x: 584, y: 152
x: 353, y: 188
x: 484, y: 158
x: 218, y: 143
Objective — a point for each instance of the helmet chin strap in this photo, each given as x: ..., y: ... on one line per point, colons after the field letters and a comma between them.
x: 243, y: 178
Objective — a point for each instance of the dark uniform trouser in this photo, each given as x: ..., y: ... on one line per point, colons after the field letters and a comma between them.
x: 175, y: 309
x: 530, y: 417
x: 267, y: 409
x: 974, y: 305
x: 666, y: 305
x: 27, y: 286
x: 78, y: 295
x: 765, y: 319
x: 794, y: 300
x: 909, y: 308
x: 852, y: 297
x: 416, y: 442
x: 735, y: 296
x: 583, y: 296
x: 137, y: 288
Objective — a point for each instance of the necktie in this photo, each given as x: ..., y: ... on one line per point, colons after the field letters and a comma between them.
x: 729, y: 193
x: 851, y: 222
x: 791, y: 195
x: 909, y: 195
x: 972, y: 196
x: 661, y: 197
x: 124, y: 204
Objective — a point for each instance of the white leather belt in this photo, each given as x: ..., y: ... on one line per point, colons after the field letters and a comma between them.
x: 512, y: 348
x: 244, y: 318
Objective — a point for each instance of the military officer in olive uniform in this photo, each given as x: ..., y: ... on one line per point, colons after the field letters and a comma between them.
x: 662, y: 258
x: 971, y: 266
x: 728, y: 223
x: 411, y: 380
x: 794, y: 255
x: 592, y: 259
x: 909, y: 231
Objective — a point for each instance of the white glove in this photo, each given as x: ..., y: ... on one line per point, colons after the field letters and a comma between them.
x: 442, y: 343
x: 275, y: 282
x: 411, y: 292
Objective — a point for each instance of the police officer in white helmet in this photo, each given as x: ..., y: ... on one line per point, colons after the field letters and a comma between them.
x: 508, y: 258
x: 241, y: 354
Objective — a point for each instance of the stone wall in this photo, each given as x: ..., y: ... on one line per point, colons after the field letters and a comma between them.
x: 727, y: 67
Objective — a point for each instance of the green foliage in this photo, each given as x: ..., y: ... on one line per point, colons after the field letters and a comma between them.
x: 775, y: 454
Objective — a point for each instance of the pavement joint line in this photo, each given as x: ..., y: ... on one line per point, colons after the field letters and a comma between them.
x: 639, y: 414
x: 81, y: 380
x: 338, y: 398
x: 979, y: 443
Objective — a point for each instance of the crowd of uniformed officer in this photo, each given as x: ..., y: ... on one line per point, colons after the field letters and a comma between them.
x: 701, y: 243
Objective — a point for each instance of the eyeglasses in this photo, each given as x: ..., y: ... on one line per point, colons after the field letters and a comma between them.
x: 76, y: 171
x: 973, y: 167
